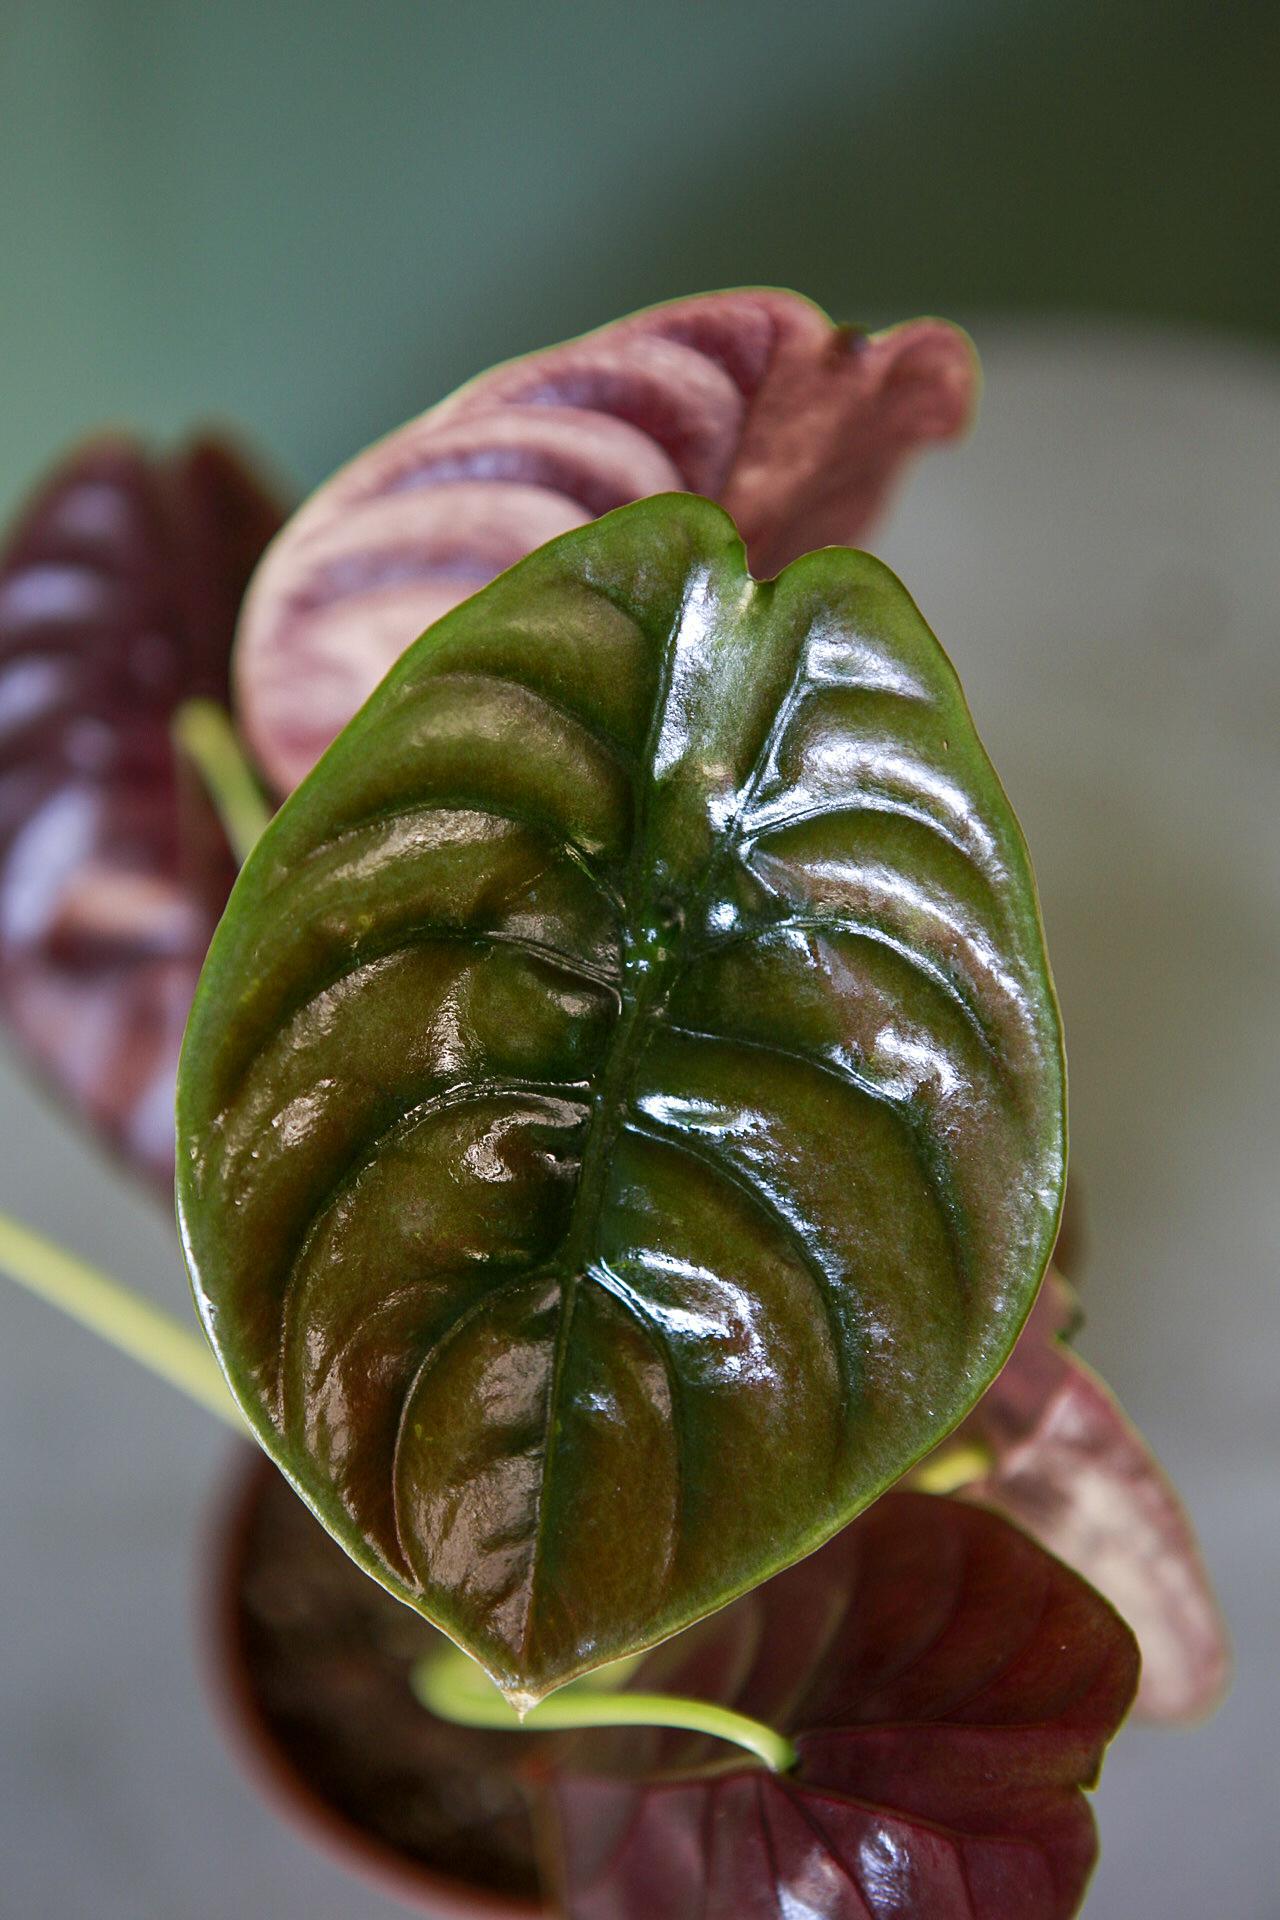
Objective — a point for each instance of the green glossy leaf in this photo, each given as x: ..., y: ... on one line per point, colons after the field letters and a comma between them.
x: 621, y: 1123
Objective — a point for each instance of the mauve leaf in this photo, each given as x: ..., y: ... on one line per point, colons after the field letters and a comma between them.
x: 622, y: 1115
x: 753, y: 398
x: 949, y: 1688
x: 1071, y: 1468
x: 119, y: 589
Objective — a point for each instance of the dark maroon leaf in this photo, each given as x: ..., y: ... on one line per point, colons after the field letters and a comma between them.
x: 1073, y: 1470
x: 950, y: 1689
x: 753, y: 398
x: 119, y: 589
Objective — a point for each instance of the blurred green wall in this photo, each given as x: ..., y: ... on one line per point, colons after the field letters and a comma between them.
x: 316, y: 218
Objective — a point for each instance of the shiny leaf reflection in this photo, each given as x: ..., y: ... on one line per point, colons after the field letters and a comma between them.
x: 622, y: 1115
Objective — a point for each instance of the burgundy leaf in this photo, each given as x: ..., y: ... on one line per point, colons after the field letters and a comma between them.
x: 1072, y: 1470
x: 754, y: 398
x: 119, y: 589
x: 949, y: 1687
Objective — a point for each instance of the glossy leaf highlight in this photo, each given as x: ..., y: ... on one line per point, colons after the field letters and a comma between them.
x: 621, y: 1119
x: 119, y: 589
x: 950, y: 1689
x: 752, y: 398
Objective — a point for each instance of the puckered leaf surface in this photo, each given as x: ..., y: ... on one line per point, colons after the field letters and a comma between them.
x: 753, y: 398
x: 1072, y: 1469
x: 119, y: 589
x: 949, y: 1688
x: 621, y: 1124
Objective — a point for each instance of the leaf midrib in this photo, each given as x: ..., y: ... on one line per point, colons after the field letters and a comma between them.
x: 607, y: 1111
x: 645, y: 987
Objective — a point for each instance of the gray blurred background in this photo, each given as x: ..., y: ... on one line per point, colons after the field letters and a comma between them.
x: 312, y: 221
x: 315, y: 216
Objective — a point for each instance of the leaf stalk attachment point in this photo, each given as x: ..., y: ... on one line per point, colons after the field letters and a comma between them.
x: 454, y: 1687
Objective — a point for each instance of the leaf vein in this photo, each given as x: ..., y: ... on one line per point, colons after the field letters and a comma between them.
x: 848, y: 924
x: 365, y: 1155
x: 600, y: 736
x: 824, y: 1283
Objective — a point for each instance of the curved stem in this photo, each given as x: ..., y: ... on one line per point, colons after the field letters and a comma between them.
x: 157, y: 1341
x: 203, y: 730
x: 451, y: 1685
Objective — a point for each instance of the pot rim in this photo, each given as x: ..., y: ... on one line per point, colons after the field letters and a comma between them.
x: 248, y: 1732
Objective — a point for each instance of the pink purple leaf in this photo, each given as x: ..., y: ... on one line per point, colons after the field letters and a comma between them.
x: 950, y: 1689
x: 1072, y: 1469
x: 753, y: 398
x: 119, y: 589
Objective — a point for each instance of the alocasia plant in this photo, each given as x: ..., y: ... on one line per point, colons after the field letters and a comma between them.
x: 752, y: 398
x: 621, y: 1121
